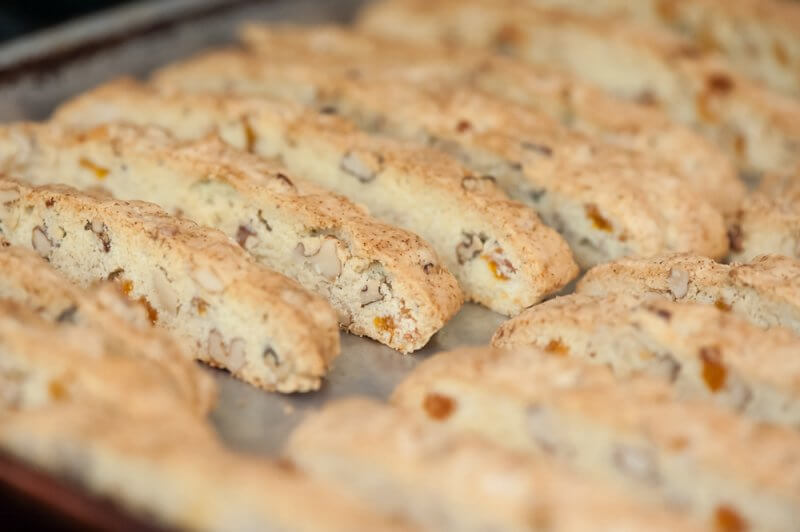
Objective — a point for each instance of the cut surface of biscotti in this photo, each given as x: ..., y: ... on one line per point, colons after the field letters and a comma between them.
x: 121, y: 324
x: 758, y: 128
x: 443, y: 481
x: 703, y: 350
x: 711, y: 463
x: 763, y: 291
x: 233, y: 313
x: 759, y: 37
x: 605, y: 201
x: 177, y: 474
x: 384, y: 282
x: 573, y: 103
x: 500, y: 252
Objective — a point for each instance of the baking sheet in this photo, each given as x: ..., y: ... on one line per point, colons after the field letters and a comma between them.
x: 38, y: 72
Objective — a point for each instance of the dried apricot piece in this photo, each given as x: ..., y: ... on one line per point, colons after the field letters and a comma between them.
x: 714, y: 371
x: 438, y: 406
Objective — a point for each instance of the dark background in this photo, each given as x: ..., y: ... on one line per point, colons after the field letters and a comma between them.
x: 18, y: 18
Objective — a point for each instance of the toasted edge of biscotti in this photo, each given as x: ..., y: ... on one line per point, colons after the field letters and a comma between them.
x: 231, y: 312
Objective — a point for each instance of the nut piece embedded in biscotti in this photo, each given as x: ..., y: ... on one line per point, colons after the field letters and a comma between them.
x: 322, y: 254
x: 363, y: 165
x: 470, y: 247
x: 678, y: 282
x: 41, y: 242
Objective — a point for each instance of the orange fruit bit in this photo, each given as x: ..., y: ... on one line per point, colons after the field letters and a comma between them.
x: 250, y: 137
x: 57, y: 390
x: 152, y: 314
x: 726, y: 519
x: 99, y: 172
x: 598, y: 221
x: 126, y: 287
x: 720, y: 304
x: 495, y: 269
x: 557, y: 347
x: 714, y: 372
x: 438, y: 406
x: 385, y: 324
x: 200, y: 304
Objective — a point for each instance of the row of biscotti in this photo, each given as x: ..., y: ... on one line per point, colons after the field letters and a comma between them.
x: 92, y: 394
x: 383, y: 282
x: 605, y: 201
x: 759, y: 129
x: 501, y: 254
x: 574, y: 104
x: 759, y: 37
x: 482, y: 439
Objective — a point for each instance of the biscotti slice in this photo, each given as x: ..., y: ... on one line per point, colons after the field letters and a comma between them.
x: 120, y: 324
x: 702, y: 350
x: 171, y: 471
x: 500, y: 252
x: 718, y: 466
x: 443, y: 481
x: 574, y: 104
x: 606, y: 202
x: 764, y: 291
x: 384, y: 282
x: 758, y: 128
x: 761, y: 38
x: 261, y: 326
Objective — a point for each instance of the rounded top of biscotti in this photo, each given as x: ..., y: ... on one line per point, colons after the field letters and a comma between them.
x: 768, y: 455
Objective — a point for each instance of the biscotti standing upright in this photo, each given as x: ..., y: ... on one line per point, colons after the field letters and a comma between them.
x: 721, y: 467
x: 574, y: 104
x: 261, y: 326
x: 499, y: 251
x: 761, y: 38
x: 702, y: 350
x: 445, y: 481
x: 758, y: 128
x: 120, y: 324
x: 764, y: 291
x: 606, y: 202
x: 384, y: 282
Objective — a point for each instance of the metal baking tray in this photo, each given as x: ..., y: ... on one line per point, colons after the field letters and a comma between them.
x: 40, y: 71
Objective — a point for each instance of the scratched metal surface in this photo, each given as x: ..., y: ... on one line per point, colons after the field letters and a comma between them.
x: 247, y: 419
